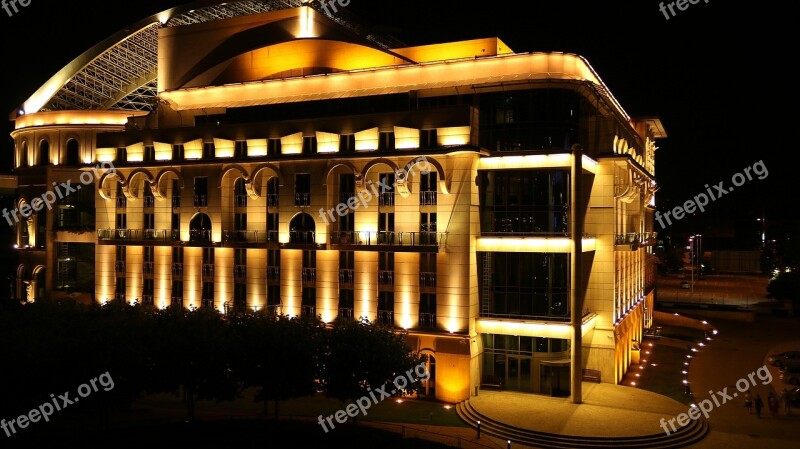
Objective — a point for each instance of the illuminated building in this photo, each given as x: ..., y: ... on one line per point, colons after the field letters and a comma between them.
x: 240, y: 132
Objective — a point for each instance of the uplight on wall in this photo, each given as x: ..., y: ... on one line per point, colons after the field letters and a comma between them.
x: 327, y: 142
x: 367, y: 140
x: 292, y: 144
x: 406, y: 138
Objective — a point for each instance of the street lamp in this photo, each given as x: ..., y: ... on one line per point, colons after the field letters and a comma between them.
x: 691, y: 258
x: 479, y: 429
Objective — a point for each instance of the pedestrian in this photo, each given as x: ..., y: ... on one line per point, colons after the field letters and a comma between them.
x: 772, y: 402
x: 759, y: 404
x: 786, y: 398
x: 748, y: 402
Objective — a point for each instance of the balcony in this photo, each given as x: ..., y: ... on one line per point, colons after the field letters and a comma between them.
x: 428, y: 198
x: 346, y: 314
x: 303, y: 237
x: 240, y: 201
x: 121, y: 202
x: 208, y: 270
x: 176, y: 301
x: 631, y: 241
x: 134, y: 235
x: 309, y: 276
x: 119, y: 297
x: 200, y: 201
x: 273, y: 275
x: 386, y: 278
x: 386, y: 199
x: 177, y: 269
x: 147, y: 300
x: 386, y: 318
x: 302, y: 199
x: 207, y: 303
x: 240, y: 273
x: 427, y: 321
x: 431, y: 240
x: 148, y: 268
x: 119, y: 267
x: 240, y: 236
x: 149, y: 202
x: 346, y: 277
x: 272, y: 200
x: 308, y: 311
x: 427, y: 279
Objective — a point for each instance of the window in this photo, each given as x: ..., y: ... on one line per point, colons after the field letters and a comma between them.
x: 428, y: 138
x: 302, y: 188
x: 386, y: 269
x: 386, y: 228
x: 240, y: 149
x: 387, y: 188
x: 427, y: 228
x: 309, y: 303
x: 428, y: 186
x: 177, y: 293
x: 208, y: 150
x: 177, y: 152
x: 177, y: 262
x: 310, y: 145
x: 201, y: 191
x: 207, y: 297
x: 122, y: 155
x: 148, y: 290
x: 148, y: 269
x: 273, y: 192
x: 386, y: 141
x: 239, y: 193
x: 23, y: 156
x: 427, y: 271
x: 427, y: 311
x: 176, y: 194
x: 149, y: 153
x: 386, y: 308
x: 346, y: 269
x: 347, y: 143
x: 44, y: 153
x: 240, y: 265
x: 274, y: 147
x: 346, y: 305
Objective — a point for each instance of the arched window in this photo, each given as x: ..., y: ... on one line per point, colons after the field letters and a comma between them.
x: 44, y: 152
x: 200, y: 228
x: 302, y: 229
x: 73, y: 156
x: 23, y: 155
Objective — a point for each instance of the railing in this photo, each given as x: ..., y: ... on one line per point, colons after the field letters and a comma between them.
x: 428, y: 198
x: 273, y: 274
x: 208, y: 270
x: 121, y: 202
x: 177, y: 269
x: 149, y: 202
x: 240, y: 273
x: 272, y: 309
x: 302, y: 199
x: 427, y: 321
x: 176, y: 301
x: 346, y: 313
x: 385, y: 277
x: 135, y: 235
x: 200, y: 235
x: 386, y: 317
x: 370, y: 238
x: 308, y: 311
x: 272, y: 200
x: 427, y: 279
x: 240, y: 200
x: 147, y: 300
x: 309, y: 275
x: 207, y: 303
x: 176, y: 202
x: 200, y: 201
x: 635, y: 238
x: 345, y: 197
x: 119, y: 297
x: 386, y: 199
x: 346, y: 277
x: 148, y: 268
x: 303, y: 237
x: 249, y: 236
x: 119, y: 267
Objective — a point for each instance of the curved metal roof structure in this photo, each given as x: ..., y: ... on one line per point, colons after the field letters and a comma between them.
x: 120, y: 73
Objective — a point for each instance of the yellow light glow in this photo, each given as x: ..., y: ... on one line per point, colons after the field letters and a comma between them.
x: 561, y: 160
x: 589, y: 164
x: 327, y: 142
x: 406, y: 138
x: 306, y: 25
x: 106, y: 154
x: 51, y: 118
x: 456, y: 135
x: 532, y: 244
x: 136, y: 152
x: 193, y: 149
x: 531, y: 328
x: 163, y: 151
x: 367, y: 140
x: 223, y: 147
x: 256, y: 147
x: 292, y: 144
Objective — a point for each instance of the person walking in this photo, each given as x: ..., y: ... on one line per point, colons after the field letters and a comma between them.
x: 772, y: 403
x: 748, y: 402
x: 759, y: 404
x: 786, y: 398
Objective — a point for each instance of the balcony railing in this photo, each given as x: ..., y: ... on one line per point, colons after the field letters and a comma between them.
x: 177, y: 269
x: 240, y: 273
x: 147, y: 300
x: 273, y: 274
x: 249, y: 236
x: 308, y: 311
x: 119, y: 267
x: 303, y: 237
x: 207, y: 303
x: 121, y: 202
x: 346, y: 277
x: 176, y: 301
x: 428, y: 198
x: 369, y: 238
x: 386, y: 277
x: 302, y: 199
x: 200, y: 201
x: 240, y: 201
x: 148, y: 268
x: 427, y: 279
x: 386, y: 317
x: 135, y: 235
x: 346, y: 314
x: 200, y: 235
x: 272, y: 200
x: 636, y: 238
x: 272, y: 309
x: 427, y: 320
x: 149, y: 202
x: 208, y: 270
x: 309, y: 275
x: 386, y: 199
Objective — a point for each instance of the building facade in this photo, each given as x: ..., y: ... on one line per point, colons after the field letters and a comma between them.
x: 496, y: 206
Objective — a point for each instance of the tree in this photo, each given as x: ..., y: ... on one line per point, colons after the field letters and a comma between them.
x: 786, y: 287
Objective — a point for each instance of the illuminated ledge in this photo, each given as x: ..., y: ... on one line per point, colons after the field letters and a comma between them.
x: 561, y: 160
x: 531, y: 244
x: 391, y: 80
x: 50, y: 118
x: 523, y: 328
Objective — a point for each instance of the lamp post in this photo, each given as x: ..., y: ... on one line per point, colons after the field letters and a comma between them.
x: 479, y: 429
x: 691, y: 258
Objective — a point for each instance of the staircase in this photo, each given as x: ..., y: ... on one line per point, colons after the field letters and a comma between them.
x: 695, y: 431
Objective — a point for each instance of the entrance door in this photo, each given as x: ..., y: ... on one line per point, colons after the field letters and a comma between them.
x: 518, y: 373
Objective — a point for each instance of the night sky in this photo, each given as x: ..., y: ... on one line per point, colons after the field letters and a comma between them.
x: 716, y: 74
